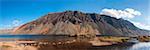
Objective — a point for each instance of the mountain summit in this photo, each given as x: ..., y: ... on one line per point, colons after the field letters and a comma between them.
x: 79, y: 23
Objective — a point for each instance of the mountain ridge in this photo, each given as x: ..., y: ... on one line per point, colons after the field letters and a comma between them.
x: 79, y: 23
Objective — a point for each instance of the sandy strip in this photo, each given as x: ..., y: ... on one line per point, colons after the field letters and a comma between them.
x: 13, y: 45
x: 98, y: 43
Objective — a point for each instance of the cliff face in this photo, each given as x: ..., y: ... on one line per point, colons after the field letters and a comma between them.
x: 78, y: 23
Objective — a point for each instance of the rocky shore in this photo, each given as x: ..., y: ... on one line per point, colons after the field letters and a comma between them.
x: 78, y: 43
x: 46, y: 45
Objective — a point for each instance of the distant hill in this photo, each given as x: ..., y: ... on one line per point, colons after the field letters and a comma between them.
x: 5, y: 31
x: 79, y: 23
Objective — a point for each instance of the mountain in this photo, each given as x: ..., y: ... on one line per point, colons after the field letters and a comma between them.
x: 5, y: 31
x: 79, y: 23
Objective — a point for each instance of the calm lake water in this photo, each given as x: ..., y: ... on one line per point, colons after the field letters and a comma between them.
x: 138, y: 46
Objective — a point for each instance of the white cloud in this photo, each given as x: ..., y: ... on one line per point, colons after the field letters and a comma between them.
x: 126, y: 13
x: 15, y: 23
x: 11, y: 25
x: 148, y: 20
x: 141, y: 25
x: 5, y: 26
x: 141, y: 46
x: 132, y: 11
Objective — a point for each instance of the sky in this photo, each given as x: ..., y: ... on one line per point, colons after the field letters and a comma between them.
x: 18, y: 12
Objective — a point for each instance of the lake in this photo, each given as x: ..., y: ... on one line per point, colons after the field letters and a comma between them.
x: 137, y: 46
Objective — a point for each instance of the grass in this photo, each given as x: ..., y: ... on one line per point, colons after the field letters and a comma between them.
x: 113, y: 39
x: 123, y: 39
x: 144, y: 38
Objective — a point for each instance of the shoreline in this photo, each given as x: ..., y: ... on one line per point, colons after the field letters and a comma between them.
x: 65, y: 43
x: 41, y: 45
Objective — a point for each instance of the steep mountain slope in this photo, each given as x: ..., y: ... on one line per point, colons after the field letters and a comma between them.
x: 79, y: 23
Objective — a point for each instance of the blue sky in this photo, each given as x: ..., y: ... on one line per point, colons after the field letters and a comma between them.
x: 23, y: 11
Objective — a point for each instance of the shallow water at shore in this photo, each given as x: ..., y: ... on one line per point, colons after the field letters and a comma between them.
x: 138, y: 46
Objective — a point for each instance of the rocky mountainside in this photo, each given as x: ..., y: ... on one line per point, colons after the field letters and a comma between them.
x: 79, y: 23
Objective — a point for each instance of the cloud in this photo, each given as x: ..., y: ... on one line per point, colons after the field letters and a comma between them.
x: 141, y: 25
x: 148, y: 20
x: 11, y: 25
x: 5, y: 26
x: 126, y: 13
x: 15, y: 23
x: 141, y: 46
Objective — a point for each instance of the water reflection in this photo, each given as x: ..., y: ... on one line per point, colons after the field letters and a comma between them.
x: 113, y: 47
x: 76, y: 46
x: 141, y: 46
x: 138, y: 46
